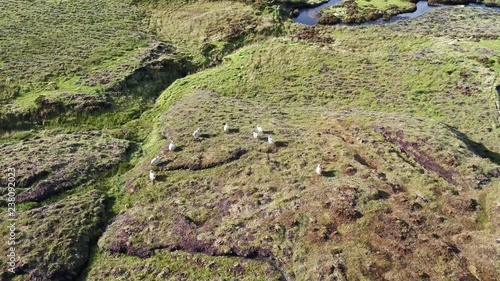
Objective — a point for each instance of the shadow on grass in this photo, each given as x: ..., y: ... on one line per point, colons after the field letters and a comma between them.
x: 160, y: 178
x: 268, y: 132
x: 164, y: 163
x: 233, y: 131
x: 328, y: 174
x: 475, y: 147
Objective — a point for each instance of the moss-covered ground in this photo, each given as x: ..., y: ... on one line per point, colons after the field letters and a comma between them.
x: 402, y: 117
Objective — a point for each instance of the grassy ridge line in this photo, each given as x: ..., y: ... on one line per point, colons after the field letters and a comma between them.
x: 50, y: 47
x: 98, y: 76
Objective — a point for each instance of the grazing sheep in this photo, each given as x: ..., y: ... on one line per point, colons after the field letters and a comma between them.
x: 196, y: 133
x: 319, y: 170
x: 259, y: 129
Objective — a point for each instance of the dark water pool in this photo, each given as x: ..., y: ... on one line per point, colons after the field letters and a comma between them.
x: 310, y: 16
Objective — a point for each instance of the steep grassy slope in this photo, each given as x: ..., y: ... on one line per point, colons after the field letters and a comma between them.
x: 59, y: 211
x: 70, y: 37
x: 83, y: 73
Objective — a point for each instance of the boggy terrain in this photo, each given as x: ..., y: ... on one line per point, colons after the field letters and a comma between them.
x: 403, y: 118
x: 362, y: 11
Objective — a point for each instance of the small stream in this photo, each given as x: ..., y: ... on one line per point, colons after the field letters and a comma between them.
x: 310, y: 16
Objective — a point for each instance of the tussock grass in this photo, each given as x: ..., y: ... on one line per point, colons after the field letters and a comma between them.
x: 358, y: 11
x: 179, y: 265
x: 47, y: 40
x: 54, y: 241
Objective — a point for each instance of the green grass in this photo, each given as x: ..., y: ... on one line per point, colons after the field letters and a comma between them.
x: 54, y: 240
x: 322, y: 103
x: 494, y: 3
x: 46, y: 40
x: 361, y: 74
x: 402, y: 122
x: 278, y: 181
x: 216, y: 28
x: 60, y: 162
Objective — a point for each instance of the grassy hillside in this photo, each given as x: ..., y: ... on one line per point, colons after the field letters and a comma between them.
x: 54, y: 241
x: 232, y: 195
x: 67, y: 62
x: 402, y: 117
x: 392, y: 116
